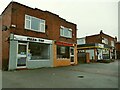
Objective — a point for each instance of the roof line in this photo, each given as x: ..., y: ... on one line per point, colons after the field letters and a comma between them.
x: 36, y: 9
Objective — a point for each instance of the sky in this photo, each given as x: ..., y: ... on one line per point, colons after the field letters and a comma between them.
x: 91, y: 16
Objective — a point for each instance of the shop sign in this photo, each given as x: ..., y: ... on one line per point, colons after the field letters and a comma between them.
x: 81, y: 51
x: 35, y: 39
x: 105, y: 51
x: 64, y: 44
x: 31, y: 39
x: 101, y: 45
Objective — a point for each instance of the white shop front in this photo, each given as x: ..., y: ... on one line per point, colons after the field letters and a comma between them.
x: 29, y: 52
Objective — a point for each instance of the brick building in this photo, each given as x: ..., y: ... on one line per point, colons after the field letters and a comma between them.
x: 32, y: 38
x: 99, y: 46
x: 118, y: 50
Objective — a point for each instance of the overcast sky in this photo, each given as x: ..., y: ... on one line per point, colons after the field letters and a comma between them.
x: 91, y: 16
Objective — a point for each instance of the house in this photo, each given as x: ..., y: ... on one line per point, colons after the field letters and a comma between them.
x: 118, y: 50
x: 99, y: 46
x: 32, y: 38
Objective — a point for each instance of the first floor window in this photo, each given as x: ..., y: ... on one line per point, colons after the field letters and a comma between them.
x: 35, y: 24
x: 63, y: 52
x: 27, y: 24
x: 112, y: 43
x: 65, y: 32
x: 39, y: 51
x: 42, y: 26
x: 105, y: 41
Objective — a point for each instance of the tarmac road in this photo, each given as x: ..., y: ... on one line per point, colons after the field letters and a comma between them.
x: 93, y: 75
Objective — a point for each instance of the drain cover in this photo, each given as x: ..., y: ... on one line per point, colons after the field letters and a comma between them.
x: 80, y: 76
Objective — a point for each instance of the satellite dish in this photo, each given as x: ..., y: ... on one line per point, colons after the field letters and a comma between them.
x: 4, y: 28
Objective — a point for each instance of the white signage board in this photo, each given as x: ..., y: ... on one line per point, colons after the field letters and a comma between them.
x: 32, y: 39
x: 101, y: 45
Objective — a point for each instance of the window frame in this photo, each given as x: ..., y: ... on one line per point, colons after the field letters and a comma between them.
x: 105, y: 41
x: 42, y: 59
x: 112, y: 43
x: 60, y: 47
x: 62, y: 32
x: 30, y: 27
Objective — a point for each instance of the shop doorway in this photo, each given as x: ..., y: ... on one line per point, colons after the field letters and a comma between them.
x: 72, y: 55
x: 21, y: 55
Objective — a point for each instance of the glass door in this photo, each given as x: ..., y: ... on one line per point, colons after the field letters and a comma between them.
x: 22, y: 55
x: 72, y: 55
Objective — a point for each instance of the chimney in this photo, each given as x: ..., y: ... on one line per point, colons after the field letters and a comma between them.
x: 101, y: 31
x: 115, y: 39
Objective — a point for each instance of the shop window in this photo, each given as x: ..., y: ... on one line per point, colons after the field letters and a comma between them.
x: 22, y: 49
x: 105, y: 53
x: 63, y: 52
x: 65, y: 32
x: 35, y: 24
x: 91, y: 52
x: 38, y: 51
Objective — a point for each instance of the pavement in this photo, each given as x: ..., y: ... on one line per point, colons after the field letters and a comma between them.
x: 93, y: 75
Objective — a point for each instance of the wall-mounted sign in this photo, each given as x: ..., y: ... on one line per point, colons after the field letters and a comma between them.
x: 35, y: 39
x: 101, y: 45
x: 105, y: 51
x: 64, y: 44
x: 31, y: 39
x: 80, y: 51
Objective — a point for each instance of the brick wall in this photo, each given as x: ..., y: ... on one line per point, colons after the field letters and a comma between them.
x: 98, y: 38
x: 6, y: 20
x: 18, y: 19
x: 93, y: 39
x: 118, y: 46
x: 53, y: 23
x: 54, y: 31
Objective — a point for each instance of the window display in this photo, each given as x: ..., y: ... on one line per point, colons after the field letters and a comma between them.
x: 38, y: 51
x: 63, y: 52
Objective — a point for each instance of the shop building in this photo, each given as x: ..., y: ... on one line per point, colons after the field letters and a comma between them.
x: 32, y: 38
x: 100, y: 46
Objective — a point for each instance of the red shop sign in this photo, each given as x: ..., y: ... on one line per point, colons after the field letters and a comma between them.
x: 64, y: 44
